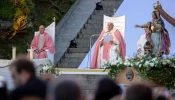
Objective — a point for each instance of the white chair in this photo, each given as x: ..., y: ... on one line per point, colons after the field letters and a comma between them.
x: 51, y: 31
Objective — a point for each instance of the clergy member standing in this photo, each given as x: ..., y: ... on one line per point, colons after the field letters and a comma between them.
x: 141, y: 43
x: 41, y: 43
x: 109, y: 47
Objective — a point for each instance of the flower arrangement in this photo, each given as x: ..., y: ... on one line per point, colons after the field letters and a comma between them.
x: 50, y: 69
x: 159, y: 70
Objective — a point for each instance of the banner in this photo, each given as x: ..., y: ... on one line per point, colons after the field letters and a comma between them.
x: 119, y: 23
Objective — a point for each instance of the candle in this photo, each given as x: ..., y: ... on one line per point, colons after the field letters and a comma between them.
x: 54, y: 19
x: 13, y: 53
x: 31, y: 53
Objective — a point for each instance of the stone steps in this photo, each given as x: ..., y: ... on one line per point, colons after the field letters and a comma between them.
x: 71, y: 60
x: 70, y: 55
x: 93, y: 26
x: 86, y: 35
x: 84, y: 45
x: 108, y: 9
x: 69, y: 65
x: 78, y: 50
x: 92, y: 31
x: 100, y: 16
x: 85, y: 41
x: 107, y: 14
x: 96, y: 17
x: 103, y: 12
x: 99, y: 20
x: 90, y: 21
x: 109, y: 3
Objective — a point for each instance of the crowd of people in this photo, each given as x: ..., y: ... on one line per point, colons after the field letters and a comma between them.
x: 30, y: 87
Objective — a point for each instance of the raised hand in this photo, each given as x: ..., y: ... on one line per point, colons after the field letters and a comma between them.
x: 37, y: 51
x: 139, y: 50
x: 41, y: 50
x: 111, y: 41
x: 137, y: 26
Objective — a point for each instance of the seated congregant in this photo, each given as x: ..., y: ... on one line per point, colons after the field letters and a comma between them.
x: 73, y: 44
x: 109, y: 47
x: 41, y: 43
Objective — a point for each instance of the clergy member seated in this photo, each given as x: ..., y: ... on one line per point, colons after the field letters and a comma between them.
x: 109, y: 47
x: 41, y: 43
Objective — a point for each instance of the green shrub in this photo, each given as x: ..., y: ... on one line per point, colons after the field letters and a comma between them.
x: 6, y: 10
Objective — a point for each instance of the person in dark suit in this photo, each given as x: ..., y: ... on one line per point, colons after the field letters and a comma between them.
x: 107, y: 89
x: 99, y: 6
x: 68, y: 90
x: 3, y: 88
x: 26, y: 82
x: 138, y: 92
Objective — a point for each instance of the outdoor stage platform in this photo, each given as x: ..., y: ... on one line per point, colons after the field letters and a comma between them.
x: 122, y: 77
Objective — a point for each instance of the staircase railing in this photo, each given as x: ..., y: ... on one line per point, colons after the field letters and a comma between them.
x: 89, y: 57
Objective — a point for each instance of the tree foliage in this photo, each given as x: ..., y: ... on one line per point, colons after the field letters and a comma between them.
x: 26, y: 16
